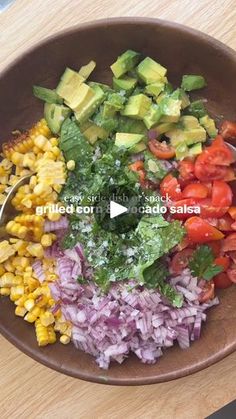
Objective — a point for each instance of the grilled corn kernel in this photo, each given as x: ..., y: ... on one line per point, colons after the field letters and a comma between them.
x: 21, y: 301
x: 54, y: 216
x: 17, y: 158
x: 29, y: 317
x: 46, y: 240
x: 54, y: 141
x: 29, y: 304
x: 36, y: 311
x: 17, y: 292
x: 41, y: 333
x: 41, y: 300
x: 47, y: 318
x: 70, y: 165
x: 20, y: 311
x: 51, y: 335
x: 35, y: 249
x: 9, y: 266
x: 2, y: 270
x: 5, y: 291
x: 6, y: 250
x: 7, y: 280
x: 64, y: 339
x: 32, y: 284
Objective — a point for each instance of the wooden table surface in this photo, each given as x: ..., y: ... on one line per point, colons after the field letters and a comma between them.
x: 30, y: 390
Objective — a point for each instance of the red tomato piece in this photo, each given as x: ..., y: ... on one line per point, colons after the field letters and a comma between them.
x: 222, y: 261
x: 200, y: 231
x: 161, y: 150
x: 195, y: 190
x: 179, y: 209
x: 222, y: 281
x: 219, y: 153
x: 228, y: 130
x: 225, y: 223
x: 229, y: 174
x: 170, y: 187
x: 186, y: 169
x: 208, y: 292
x: 205, y: 171
x: 137, y: 165
x: 215, y: 247
x: 232, y: 275
x: 180, y: 261
x: 232, y: 212
x: 210, y: 211
x: 229, y: 243
x: 221, y: 194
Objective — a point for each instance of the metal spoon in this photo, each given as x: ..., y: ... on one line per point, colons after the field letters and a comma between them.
x: 7, y: 210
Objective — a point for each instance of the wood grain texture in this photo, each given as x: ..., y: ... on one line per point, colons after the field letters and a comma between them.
x: 29, y: 390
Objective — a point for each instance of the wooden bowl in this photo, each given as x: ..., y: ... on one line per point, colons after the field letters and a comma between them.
x: 182, y: 51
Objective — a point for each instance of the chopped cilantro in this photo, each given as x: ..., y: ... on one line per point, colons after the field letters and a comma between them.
x: 202, y: 263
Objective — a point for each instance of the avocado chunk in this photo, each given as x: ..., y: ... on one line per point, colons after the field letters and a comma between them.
x: 170, y: 109
x: 155, y: 168
x: 122, y: 139
x: 124, y: 63
x: 154, y: 89
x: 130, y: 125
x: 137, y: 106
x: 81, y: 97
x: 109, y: 123
x: 47, y: 95
x: 89, y: 107
x: 164, y: 127
x: 196, y: 109
x: 153, y: 116
x: 105, y: 88
x: 183, y: 151
x: 182, y: 95
x: 192, y: 82
x: 138, y: 148
x: 69, y: 84
x: 87, y: 69
x: 55, y: 115
x: 93, y: 132
x: 150, y: 71
x: 188, y: 132
x: 126, y: 83
x: 114, y: 103
x: 209, y: 125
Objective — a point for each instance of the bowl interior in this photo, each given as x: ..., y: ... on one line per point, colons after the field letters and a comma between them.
x: 182, y: 51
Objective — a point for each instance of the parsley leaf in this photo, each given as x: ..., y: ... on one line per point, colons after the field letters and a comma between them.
x: 202, y: 263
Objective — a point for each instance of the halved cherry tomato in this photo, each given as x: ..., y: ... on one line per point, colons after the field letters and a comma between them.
x: 205, y: 171
x: 180, y: 260
x: 222, y: 261
x: 184, y: 243
x: 162, y: 150
x: 229, y: 243
x: 208, y: 292
x: 171, y: 187
x: 221, y: 194
x: 195, y: 190
x: 200, y: 231
x: 210, y: 211
x: 215, y: 247
x: 137, y: 165
x: 219, y: 153
x: 232, y: 212
x: 228, y: 130
x: 179, y: 209
x: 232, y: 275
x: 229, y: 174
x: 225, y: 223
x: 208, y: 185
x: 186, y: 169
x: 233, y: 226
x: 222, y: 281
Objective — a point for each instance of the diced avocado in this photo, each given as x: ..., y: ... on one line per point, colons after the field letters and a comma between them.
x: 93, y: 132
x: 79, y: 100
x: 138, y: 148
x: 130, y: 125
x: 150, y: 71
x: 73, y: 143
x: 209, y: 125
x: 87, y: 69
x: 170, y: 109
x: 161, y: 96
x: 183, y: 151
x: 90, y: 107
x: 106, y: 89
x: 110, y: 124
x: 125, y: 83
x: 153, y: 116
x: 137, y: 90
x: 185, y: 101
x: 164, y: 127
x: 188, y: 122
x: 192, y: 82
x: 114, y: 103
x: 196, y: 109
x: 154, y: 89
x: 155, y: 169
x: 137, y: 106
x: 123, y: 139
x: 47, y: 95
x: 124, y: 63
x: 69, y: 84
x: 55, y: 115
x: 188, y: 132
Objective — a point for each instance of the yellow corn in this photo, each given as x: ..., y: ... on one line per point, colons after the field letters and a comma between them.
x: 5, y: 291
x: 54, y: 216
x: 41, y: 334
x: 30, y: 318
x: 35, y: 249
x: 6, y: 250
x: 17, y: 158
x: 8, y: 279
x: 2, y: 270
x: 29, y: 304
x: 8, y: 265
x: 46, y: 240
x: 70, y: 165
x: 36, y: 311
x: 47, y: 318
x: 64, y: 339
x: 51, y: 335
x: 17, y: 292
x: 21, y: 301
x: 20, y: 311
